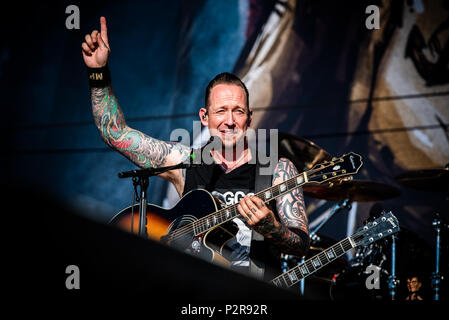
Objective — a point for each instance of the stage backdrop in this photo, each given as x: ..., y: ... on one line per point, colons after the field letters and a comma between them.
x: 313, y: 70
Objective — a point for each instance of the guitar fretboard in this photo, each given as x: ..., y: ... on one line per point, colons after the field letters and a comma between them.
x: 296, y: 274
x: 230, y: 212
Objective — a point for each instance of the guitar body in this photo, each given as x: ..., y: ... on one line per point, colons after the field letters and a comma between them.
x: 196, y: 225
x: 171, y: 226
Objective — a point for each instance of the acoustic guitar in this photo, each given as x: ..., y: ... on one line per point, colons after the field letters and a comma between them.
x: 199, y: 225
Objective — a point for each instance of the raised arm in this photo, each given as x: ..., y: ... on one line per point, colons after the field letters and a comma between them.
x: 142, y: 150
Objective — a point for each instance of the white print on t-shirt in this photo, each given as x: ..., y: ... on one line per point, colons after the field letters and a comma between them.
x: 233, y: 198
x: 241, y: 243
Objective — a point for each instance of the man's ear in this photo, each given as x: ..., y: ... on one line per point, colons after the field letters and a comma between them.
x: 204, y: 117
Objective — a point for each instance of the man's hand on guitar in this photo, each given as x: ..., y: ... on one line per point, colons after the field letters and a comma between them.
x: 96, y: 47
x: 258, y: 216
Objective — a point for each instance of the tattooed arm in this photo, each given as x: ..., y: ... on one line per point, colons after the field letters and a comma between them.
x: 142, y: 150
x: 291, y: 234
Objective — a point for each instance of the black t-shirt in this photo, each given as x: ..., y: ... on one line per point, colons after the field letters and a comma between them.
x: 213, y: 178
x: 229, y: 188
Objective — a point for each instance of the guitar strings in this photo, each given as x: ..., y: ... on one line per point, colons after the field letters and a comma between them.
x: 291, y: 182
x: 189, y: 228
x: 309, y: 265
x: 201, y: 223
x: 294, y: 269
x: 184, y: 230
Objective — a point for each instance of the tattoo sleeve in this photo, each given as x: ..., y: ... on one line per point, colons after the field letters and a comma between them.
x: 142, y: 150
x: 293, y: 235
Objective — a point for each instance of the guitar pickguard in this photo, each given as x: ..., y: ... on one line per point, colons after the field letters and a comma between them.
x: 171, y: 226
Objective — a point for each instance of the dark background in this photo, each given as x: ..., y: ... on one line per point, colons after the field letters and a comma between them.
x: 163, y: 55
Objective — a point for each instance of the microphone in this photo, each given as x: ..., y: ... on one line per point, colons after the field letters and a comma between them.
x: 148, y: 172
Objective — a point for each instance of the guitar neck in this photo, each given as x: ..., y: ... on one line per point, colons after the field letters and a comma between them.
x: 318, y: 174
x: 228, y: 213
x: 303, y: 270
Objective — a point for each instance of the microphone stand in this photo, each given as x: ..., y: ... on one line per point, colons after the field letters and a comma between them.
x: 437, y: 224
x: 392, y: 280
x: 140, y: 178
x: 344, y: 204
x: 436, y: 276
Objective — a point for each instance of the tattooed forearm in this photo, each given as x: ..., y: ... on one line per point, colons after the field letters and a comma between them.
x: 291, y: 208
x: 291, y: 211
x: 141, y: 149
x: 288, y: 241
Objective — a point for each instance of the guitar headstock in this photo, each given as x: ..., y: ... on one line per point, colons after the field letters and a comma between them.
x: 382, y: 227
x: 343, y: 167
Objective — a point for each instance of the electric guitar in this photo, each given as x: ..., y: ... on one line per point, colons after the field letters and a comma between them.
x: 197, y: 224
x: 382, y: 227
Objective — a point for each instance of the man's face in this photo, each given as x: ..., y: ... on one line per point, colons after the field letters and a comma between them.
x: 227, y: 115
x: 413, y: 284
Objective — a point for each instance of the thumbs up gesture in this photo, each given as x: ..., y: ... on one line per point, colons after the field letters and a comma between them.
x: 95, y: 48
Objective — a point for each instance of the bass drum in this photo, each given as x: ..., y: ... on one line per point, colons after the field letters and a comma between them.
x: 413, y: 256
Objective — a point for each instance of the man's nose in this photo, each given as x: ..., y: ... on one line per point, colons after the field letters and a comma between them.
x: 229, y: 118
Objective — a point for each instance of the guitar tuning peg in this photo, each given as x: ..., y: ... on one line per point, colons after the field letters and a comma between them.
x: 334, y: 158
x: 345, y: 179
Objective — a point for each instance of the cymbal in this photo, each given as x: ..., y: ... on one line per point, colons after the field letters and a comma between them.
x: 303, y: 153
x: 354, y: 190
x: 433, y: 180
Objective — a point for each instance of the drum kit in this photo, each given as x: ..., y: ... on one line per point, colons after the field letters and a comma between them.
x: 346, y: 279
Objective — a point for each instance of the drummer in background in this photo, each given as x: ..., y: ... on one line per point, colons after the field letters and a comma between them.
x: 414, y: 287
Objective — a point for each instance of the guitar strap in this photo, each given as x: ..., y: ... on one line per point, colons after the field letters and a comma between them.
x: 258, y: 248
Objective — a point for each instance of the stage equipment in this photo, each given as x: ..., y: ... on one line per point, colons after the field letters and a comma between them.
x: 140, y: 178
x: 320, y: 282
x: 395, y: 258
x: 438, y: 224
x: 431, y: 180
x: 347, y: 191
x: 392, y: 279
x: 354, y: 190
x: 382, y: 227
x: 303, y: 153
